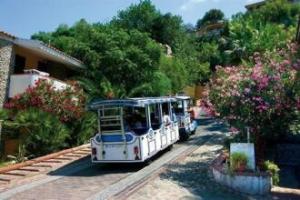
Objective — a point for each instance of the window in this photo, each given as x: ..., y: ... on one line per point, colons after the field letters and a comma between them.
x: 135, y: 117
x: 110, y: 119
x: 165, y: 109
x: 43, y: 66
x: 155, y: 116
x: 20, y: 62
x: 178, y: 107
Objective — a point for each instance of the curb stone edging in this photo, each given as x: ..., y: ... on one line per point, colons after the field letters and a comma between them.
x: 249, y: 182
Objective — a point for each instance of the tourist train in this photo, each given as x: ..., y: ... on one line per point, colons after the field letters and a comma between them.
x: 135, y: 129
x: 187, y: 125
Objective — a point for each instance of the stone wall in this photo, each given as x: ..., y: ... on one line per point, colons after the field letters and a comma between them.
x: 6, y: 66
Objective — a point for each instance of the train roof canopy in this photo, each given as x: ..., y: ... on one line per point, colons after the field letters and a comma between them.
x: 183, y: 97
x: 130, y: 102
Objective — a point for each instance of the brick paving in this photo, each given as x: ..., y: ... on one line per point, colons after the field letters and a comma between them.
x: 18, y: 175
x: 77, y: 186
x: 187, y: 178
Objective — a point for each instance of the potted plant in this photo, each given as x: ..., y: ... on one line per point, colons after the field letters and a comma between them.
x: 238, y: 161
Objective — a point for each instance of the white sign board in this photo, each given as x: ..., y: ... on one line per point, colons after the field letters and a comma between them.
x: 246, y: 148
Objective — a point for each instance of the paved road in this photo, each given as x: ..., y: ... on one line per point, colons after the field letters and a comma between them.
x: 103, y: 181
x: 186, y: 178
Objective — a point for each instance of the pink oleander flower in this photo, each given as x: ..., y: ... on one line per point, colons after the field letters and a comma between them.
x: 296, y: 66
x: 234, y: 130
x: 286, y: 62
x: 256, y: 94
x: 298, y: 103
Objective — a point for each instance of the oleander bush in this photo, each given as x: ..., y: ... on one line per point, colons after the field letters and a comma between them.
x: 46, y: 120
x: 67, y: 104
x: 263, y: 94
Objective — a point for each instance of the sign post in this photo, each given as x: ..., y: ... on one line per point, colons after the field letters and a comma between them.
x: 1, y: 121
x: 248, y: 135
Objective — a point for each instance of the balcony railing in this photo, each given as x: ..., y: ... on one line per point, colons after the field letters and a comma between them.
x: 20, y: 82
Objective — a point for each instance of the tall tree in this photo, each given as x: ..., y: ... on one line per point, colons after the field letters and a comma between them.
x: 211, y: 16
x: 168, y: 29
x: 138, y: 16
x: 123, y: 58
x: 278, y: 11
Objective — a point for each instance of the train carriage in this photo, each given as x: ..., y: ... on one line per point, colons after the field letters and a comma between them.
x: 133, y: 130
x: 181, y: 107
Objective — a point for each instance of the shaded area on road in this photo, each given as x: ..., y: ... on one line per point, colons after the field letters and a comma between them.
x: 195, y: 177
x: 188, y: 177
x: 98, y: 169
x: 77, y: 186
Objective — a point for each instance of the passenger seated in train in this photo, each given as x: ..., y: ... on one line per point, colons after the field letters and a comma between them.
x: 136, y: 121
x: 166, y: 118
x: 155, y: 122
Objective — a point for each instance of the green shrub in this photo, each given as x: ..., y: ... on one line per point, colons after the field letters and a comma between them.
x: 238, y: 161
x: 3, y: 114
x: 40, y: 132
x: 272, y: 168
x: 83, y: 129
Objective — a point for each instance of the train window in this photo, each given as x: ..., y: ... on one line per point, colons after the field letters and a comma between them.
x: 135, y: 118
x: 166, y: 113
x: 155, y: 116
x: 178, y: 107
x: 110, y: 111
x: 110, y: 119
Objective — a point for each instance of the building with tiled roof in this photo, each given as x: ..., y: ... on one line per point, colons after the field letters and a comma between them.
x: 22, y: 61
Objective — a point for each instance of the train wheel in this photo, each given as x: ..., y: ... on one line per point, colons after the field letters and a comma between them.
x: 169, y: 148
x: 184, y: 136
x: 147, y: 162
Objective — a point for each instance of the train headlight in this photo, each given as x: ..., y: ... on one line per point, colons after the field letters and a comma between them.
x: 98, y: 138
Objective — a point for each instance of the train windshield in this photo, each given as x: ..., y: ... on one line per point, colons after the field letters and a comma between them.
x: 118, y: 119
x: 110, y: 119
